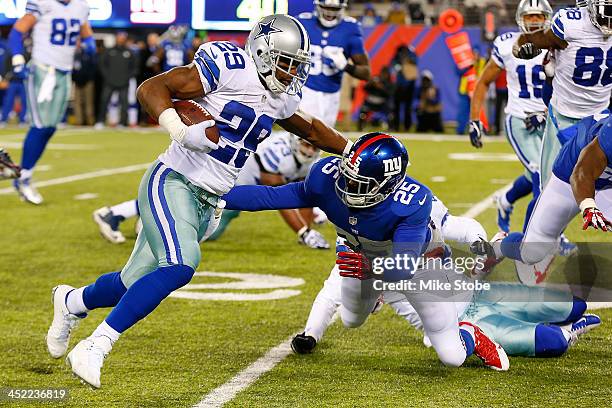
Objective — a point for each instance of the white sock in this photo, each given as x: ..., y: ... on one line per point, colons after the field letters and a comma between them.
x: 126, y: 209
x: 74, y: 302
x: 105, y: 330
x: 26, y: 174
x: 504, y: 202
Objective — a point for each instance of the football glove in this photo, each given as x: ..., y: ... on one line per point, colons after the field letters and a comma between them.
x: 337, y: 58
x: 593, y: 217
x: 195, y: 137
x: 19, y: 68
x: 312, y: 239
x: 476, y: 132
x: 528, y: 51
x: 354, y: 265
x: 535, y: 121
x: 8, y: 169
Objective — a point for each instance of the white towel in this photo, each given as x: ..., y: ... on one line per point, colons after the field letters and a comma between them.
x: 45, y: 94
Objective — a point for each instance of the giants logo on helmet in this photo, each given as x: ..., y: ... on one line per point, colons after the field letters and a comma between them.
x: 392, y: 166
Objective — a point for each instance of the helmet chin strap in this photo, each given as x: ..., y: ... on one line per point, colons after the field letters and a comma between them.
x: 274, y: 85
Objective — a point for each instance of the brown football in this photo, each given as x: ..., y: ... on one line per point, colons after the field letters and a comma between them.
x: 191, y: 113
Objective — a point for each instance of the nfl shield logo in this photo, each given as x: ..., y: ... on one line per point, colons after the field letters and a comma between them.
x: 353, y: 220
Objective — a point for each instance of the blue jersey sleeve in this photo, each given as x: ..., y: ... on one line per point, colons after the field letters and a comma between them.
x: 355, y: 43
x: 258, y: 198
x: 605, y: 139
x: 566, y: 134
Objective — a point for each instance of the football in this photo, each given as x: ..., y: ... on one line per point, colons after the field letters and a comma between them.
x: 191, y: 113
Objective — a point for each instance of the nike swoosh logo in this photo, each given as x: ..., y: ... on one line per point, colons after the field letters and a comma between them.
x: 423, y: 200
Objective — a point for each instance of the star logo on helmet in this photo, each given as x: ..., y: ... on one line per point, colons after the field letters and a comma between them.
x: 265, y: 29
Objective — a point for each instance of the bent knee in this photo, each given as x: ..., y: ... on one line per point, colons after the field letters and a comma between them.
x: 550, y: 341
x: 451, y: 357
x: 352, y: 320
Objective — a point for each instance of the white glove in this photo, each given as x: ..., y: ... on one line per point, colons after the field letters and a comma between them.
x: 190, y: 137
x: 337, y: 57
x: 550, y: 64
x: 312, y: 239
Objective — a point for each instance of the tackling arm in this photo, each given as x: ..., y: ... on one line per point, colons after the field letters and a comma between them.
x: 259, y: 198
x: 316, y: 132
x: 291, y: 216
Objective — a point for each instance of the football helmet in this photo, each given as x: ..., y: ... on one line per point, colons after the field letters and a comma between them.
x: 581, y: 3
x: 531, y: 7
x: 280, y: 43
x: 600, y: 12
x: 373, y: 169
x: 330, y: 12
x: 304, y: 152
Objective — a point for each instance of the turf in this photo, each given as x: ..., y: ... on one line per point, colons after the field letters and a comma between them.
x: 186, y: 348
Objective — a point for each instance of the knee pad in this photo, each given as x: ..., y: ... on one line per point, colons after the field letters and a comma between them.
x: 451, y: 357
x: 352, y: 320
x: 532, y: 253
x: 550, y: 341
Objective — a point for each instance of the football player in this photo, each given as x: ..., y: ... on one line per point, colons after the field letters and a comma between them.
x: 525, y: 111
x: 580, y: 182
x: 279, y: 159
x: 379, y: 211
x: 8, y: 169
x: 582, y: 39
x: 56, y: 25
x: 171, y: 52
x: 246, y: 91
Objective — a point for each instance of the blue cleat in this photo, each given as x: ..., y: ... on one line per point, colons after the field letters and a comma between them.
x: 503, y: 214
x: 566, y: 247
x: 583, y: 325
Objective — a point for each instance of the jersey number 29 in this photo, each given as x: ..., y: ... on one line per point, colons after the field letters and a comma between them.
x: 65, y: 32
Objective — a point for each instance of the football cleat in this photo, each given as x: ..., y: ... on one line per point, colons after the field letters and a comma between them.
x: 484, y: 248
x: 567, y: 247
x: 503, y: 214
x: 532, y: 275
x: 108, y: 223
x: 27, y: 191
x: 87, y: 357
x: 491, y: 353
x: 303, y: 344
x: 63, y: 322
x: 583, y: 325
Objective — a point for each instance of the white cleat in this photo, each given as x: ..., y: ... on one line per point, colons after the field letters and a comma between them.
x: 87, y: 357
x: 27, y: 191
x: 63, y: 322
x: 108, y: 225
x: 533, y: 275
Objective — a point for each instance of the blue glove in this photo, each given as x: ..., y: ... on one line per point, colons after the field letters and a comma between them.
x: 535, y: 121
x: 89, y: 44
x: 476, y: 132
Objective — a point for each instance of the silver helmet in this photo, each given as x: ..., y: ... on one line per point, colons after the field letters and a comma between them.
x: 303, y: 151
x: 600, y: 12
x: 581, y: 3
x: 275, y: 39
x: 531, y: 7
x: 330, y: 12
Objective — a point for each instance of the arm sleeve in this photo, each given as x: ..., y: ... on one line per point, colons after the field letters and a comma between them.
x: 409, y: 241
x: 356, y: 42
x: 496, y: 55
x: 605, y: 142
x: 33, y: 8
x: 462, y: 229
x: 208, y: 68
x: 258, y: 198
x: 557, y: 26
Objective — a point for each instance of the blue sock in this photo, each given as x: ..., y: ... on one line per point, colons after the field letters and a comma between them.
x: 578, y: 308
x: 520, y: 188
x: 106, y: 291
x: 511, y: 246
x: 34, y: 145
x: 146, y: 294
x: 549, y: 341
x: 468, y: 342
x: 137, y: 208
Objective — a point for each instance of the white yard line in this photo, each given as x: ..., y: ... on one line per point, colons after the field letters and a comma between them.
x: 245, y: 378
x: 83, y: 176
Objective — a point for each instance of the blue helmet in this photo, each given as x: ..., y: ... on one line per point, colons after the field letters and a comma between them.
x: 372, y: 171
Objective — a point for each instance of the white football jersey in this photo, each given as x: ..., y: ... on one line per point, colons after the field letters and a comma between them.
x: 57, y: 28
x: 525, y: 77
x: 243, y: 109
x: 583, y: 74
x: 274, y: 155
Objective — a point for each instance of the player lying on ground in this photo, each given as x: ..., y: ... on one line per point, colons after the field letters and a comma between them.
x: 8, y: 169
x: 581, y: 181
x: 379, y: 211
x: 56, y: 25
x: 581, y: 39
x: 279, y: 159
x: 246, y: 91
x: 525, y: 110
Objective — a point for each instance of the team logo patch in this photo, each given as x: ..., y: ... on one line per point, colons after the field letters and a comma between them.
x: 353, y: 220
x: 392, y: 166
x: 265, y: 29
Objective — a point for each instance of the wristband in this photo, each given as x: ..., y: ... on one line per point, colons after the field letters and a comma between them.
x: 302, y: 230
x: 350, y: 69
x: 171, y: 121
x: 18, y: 60
x: 587, y: 203
x: 347, y: 148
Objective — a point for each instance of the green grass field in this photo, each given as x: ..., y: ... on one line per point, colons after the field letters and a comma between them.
x: 186, y: 348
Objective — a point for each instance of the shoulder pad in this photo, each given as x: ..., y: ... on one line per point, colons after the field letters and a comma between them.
x: 418, y: 206
x: 322, y: 173
x: 349, y: 19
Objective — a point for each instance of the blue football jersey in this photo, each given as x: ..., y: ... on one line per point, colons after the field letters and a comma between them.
x: 578, y: 137
x: 347, y: 36
x: 397, y: 225
x: 174, y: 55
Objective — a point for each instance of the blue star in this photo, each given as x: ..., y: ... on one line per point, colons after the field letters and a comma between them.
x: 265, y: 29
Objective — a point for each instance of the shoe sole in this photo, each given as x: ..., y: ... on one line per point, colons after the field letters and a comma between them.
x: 104, y: 228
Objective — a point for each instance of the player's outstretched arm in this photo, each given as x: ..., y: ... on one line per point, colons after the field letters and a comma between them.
x: 539, y: 41
x: 259, y: 198
x: 316, y: 132
x: 489, y: 75
x: 591, y: 163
